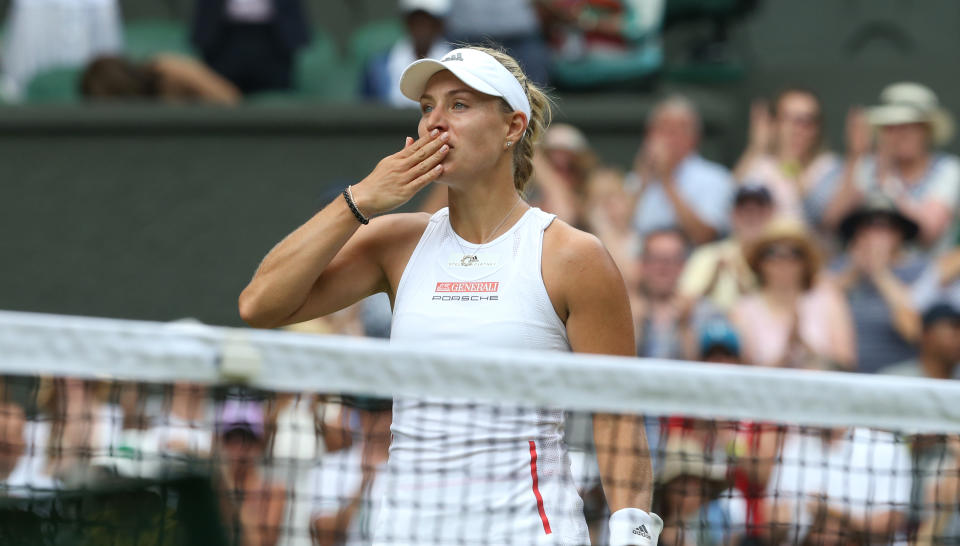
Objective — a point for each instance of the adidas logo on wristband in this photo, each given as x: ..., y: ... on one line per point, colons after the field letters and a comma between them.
x: 642, y: 531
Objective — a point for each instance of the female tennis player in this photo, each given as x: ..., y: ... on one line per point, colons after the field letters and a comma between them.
x: 488, y: 271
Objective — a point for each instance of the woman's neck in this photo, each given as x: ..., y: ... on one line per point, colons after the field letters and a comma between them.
x: 479, y: 212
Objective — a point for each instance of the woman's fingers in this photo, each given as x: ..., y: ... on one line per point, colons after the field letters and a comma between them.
x: 430, y: 162
x: 421, y: 181
x: 422, y: 153
x: 419, y: 143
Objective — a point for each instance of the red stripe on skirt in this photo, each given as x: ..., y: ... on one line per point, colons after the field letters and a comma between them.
x: 536, y: 488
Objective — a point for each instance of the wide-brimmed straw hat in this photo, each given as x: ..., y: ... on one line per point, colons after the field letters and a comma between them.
x: 877, y: 205
x: 909, y: 102
x: 785, y: 229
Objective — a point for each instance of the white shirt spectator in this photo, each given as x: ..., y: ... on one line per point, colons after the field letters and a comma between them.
x: 706, y: 186
x: 400, y: 56
x: 862, y: 473
x: 45, y: 34
x: 336, y: 482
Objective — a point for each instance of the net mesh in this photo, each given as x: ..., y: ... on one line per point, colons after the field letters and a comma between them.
x: 120, y: 432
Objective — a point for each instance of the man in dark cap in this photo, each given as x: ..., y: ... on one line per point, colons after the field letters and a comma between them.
x: 875, y: 272
x: 939, y: 346
x: 717, y: 271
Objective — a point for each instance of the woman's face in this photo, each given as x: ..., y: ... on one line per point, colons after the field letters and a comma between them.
x: 607, y: 196
x: 782, y: 265
x: 477, y: 125
x: 905, y: 142
x: 798, y: 125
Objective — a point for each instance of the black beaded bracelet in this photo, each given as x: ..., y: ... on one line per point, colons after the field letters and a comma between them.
x: 353, y: 207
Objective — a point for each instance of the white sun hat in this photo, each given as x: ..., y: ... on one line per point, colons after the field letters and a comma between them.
x: 909, y: 102
x: 475, y: 68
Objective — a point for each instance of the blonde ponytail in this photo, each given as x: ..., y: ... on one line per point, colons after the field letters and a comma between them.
x: 540, y: 115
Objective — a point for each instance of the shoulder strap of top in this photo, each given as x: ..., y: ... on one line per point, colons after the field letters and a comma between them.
x: 542, y: 219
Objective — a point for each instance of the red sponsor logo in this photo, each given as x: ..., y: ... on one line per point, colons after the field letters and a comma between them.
x: 467, y: 287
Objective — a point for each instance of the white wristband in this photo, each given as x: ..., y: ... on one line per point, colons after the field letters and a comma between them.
x: 634, y: 527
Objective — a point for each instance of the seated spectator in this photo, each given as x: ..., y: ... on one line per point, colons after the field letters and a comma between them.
x: 424, y: 22
x: 600, y: 42
x: 673, y: 185
x: 805, y: 322
x: 253, y: 505
x: 608, y: 215
x: 662, y: 321
x: 47, y: 34
x: 839, y: 486
x: 511, y: 24
x: 786, y: 152
x: 936, y: 458
x: 80, y: 428
x: 939, y: 351
x: 561, y: 168
x: 939, y: 281
x: 719, y: 343
x: 168, y: 78
x: 23, y: 454
x: 185, y: 426
x: 12, y: 443
x: 875, y: 272
x: 252, y: 43
x: 718, y: 271
x: 922, y: 182
x: 689, y: 478
x: 346, y: 491
x: 937, y: 493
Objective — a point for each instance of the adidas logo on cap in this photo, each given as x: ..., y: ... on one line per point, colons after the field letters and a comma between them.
x: 642, y: 531
x: 454, y: 57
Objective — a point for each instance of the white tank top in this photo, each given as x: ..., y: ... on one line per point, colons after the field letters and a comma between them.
x: 473, y: 469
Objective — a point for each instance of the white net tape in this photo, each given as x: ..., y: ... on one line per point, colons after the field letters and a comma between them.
x: 146, y: 351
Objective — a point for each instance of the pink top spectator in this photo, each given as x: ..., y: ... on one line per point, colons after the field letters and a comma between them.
x: 766, y: 345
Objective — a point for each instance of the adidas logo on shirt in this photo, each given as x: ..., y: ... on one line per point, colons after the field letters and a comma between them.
x: 642, y: 531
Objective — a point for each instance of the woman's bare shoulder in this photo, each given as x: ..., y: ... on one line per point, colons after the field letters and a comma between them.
x: 567, y: 244
x: 398, y: 227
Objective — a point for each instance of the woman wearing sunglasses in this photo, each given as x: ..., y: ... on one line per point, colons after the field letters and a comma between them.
x: 794, y: 319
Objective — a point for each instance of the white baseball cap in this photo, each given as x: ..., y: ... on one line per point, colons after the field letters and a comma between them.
x: 437, y: 8
x: 475, y: 68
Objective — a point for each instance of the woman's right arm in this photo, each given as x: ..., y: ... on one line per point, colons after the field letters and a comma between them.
x: 331, y: 261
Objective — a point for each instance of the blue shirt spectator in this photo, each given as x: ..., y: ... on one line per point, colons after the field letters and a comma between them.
x: 706, y: 186
x: 674, y: 186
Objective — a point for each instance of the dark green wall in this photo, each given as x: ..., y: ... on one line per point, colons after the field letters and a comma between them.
x: 161, y: 213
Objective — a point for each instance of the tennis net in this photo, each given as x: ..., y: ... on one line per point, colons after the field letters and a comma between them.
x: 125, y: 432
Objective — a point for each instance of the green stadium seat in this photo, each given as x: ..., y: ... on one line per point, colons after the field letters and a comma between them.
x: 146, y: 38
x: 373, y: 38
x: 321, y: 73
x: 58, y: 85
